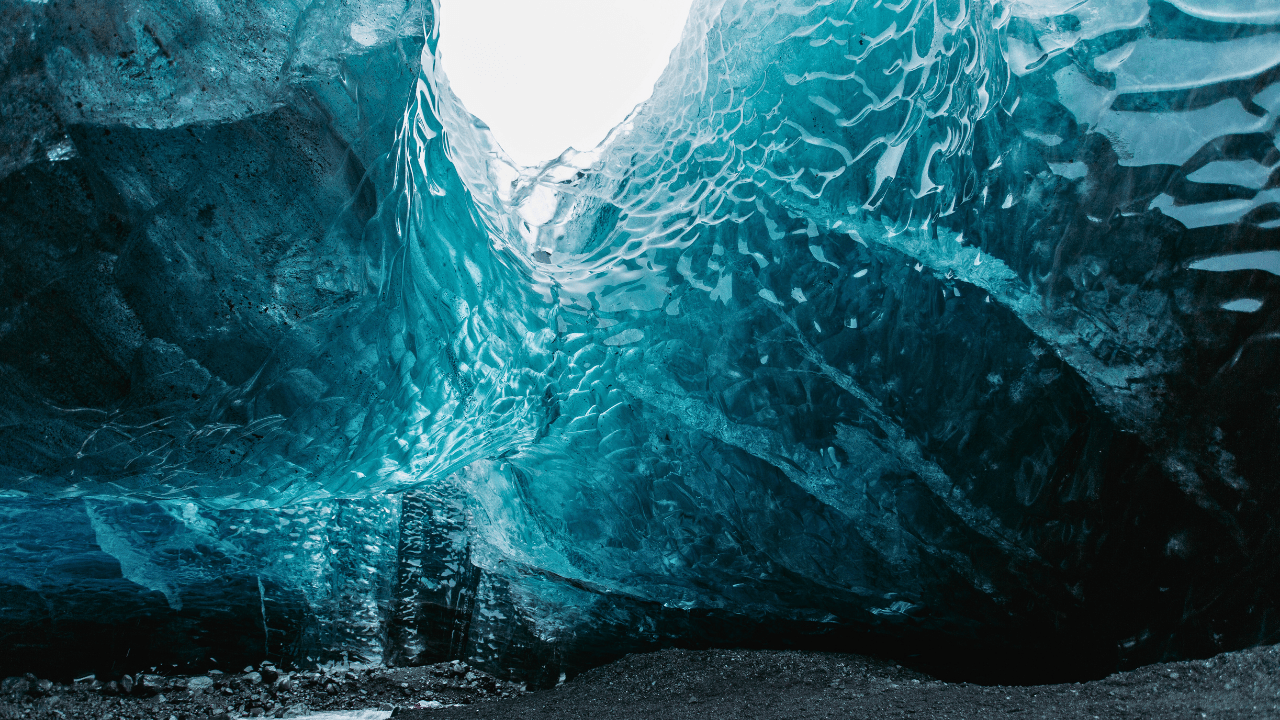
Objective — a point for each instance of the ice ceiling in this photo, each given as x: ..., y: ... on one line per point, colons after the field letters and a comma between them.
x: 942, y: 322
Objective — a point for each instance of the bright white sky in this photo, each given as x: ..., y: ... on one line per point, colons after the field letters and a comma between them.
x: 550, y: 74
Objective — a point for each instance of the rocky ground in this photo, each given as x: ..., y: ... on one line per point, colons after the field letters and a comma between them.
x: 672, y: 684
x: 255, y: 692
x: 675, y: 685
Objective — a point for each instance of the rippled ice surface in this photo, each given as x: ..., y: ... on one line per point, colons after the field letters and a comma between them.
x: 929, y: 320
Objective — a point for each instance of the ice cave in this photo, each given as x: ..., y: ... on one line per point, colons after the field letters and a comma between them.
x: 939, y: 330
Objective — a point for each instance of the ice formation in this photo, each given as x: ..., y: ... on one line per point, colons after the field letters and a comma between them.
x: 938, y: 321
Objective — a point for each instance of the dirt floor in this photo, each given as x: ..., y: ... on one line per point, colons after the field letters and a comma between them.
x: 672, y: 684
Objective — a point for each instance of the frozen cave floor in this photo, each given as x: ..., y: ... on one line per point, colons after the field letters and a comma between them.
x: 674, y: 684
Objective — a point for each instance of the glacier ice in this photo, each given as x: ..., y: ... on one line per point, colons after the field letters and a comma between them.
x: 906, y: 322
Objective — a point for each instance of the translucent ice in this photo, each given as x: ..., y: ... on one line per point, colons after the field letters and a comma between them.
x: 899, y: 319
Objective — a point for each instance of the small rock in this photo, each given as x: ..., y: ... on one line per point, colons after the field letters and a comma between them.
x: 15, y: 685
x: 199, y: 683
x: 253, y: 677
x: 126, y: 684
x: 147, y: 685
x: 268, y: 674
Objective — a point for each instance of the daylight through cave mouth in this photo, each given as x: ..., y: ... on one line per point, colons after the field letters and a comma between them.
x: 940, y: 330
x: 556, y: 74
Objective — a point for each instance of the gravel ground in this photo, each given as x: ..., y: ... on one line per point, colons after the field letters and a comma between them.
x: 260, y: 692
x: 672, y: 684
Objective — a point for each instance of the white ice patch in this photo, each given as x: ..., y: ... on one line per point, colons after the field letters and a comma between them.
x: 723, y: 290
x: 1163, y: 138
x: 1222, y: 212
x: 821, y: 256
x: 1022, y: 57
x: 1253, y: 12
x: 1172, y: 138
x: 1070, y: 170
x: 1246, y: 173
x: 1049, y: 140
x: 1266, y: 260
x: 1094, y: 17
x: 364, y: 34
x: 64, y: 150
x: 1158, y: 64
x: 1244, y: 305
x: 626, y: 337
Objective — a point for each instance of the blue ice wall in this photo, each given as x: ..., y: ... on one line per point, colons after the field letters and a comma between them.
x: 110, y: 586
x: 942, y: 322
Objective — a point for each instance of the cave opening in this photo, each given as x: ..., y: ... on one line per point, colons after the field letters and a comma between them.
x: 940, y: 331
x: 550, y: 75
